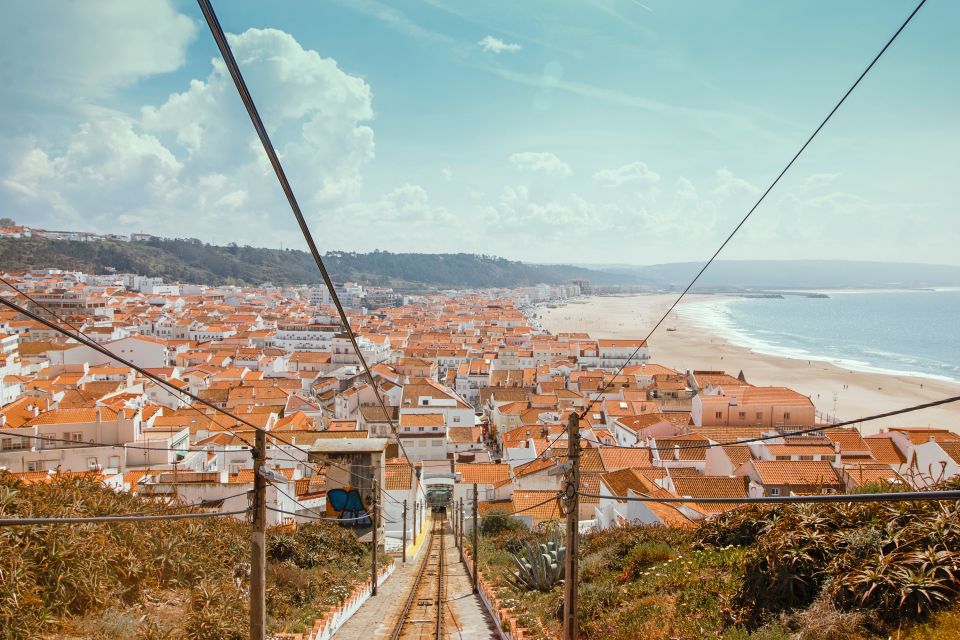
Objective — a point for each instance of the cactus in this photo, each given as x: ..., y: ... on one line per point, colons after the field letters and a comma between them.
x: 539, y: 567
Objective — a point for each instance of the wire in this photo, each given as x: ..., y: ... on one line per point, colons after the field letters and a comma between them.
x: 301, y: 515
x: 800, y: 432
x: 906, y: 496
x: 20, y: 522
x: 86, y: 341
x: 96, y: 445
x: 227, y: 53
x: 513, y: 513
x: 203, y: 504
x: 757, y: 203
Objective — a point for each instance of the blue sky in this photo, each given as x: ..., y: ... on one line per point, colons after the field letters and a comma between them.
x: 611, y: 131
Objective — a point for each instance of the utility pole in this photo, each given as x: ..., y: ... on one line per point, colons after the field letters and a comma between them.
x: 404, y: 551
x: 460, y: 541
x: 476, y: 546
x: 258, y: 550
x: 571, y: 505
x: 376, y: 513
x: 416, y: 531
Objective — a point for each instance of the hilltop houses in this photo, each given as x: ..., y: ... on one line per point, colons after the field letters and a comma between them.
x: 464, y: 388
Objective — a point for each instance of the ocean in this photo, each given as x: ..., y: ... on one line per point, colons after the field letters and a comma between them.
x: 895, y: 332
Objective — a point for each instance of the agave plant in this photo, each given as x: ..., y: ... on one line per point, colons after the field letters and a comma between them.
x: 539, y: 567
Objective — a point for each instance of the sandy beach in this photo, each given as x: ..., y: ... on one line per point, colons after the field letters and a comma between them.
x: 692, y: 346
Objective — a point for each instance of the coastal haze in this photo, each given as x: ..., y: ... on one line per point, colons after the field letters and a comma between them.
x: 685, y: 343
x: 369, y: 320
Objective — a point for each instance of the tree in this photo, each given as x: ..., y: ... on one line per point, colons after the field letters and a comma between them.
x: 7, y: 223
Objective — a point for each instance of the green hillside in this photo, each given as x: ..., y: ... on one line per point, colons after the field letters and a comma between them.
x: 187, y: 260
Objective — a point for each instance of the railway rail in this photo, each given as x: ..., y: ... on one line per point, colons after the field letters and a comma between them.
x: 422, y: 616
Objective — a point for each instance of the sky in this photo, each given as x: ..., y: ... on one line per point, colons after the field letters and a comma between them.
x: 588, y: 132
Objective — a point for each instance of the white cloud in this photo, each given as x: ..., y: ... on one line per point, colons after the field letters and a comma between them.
x: 83, y: 50
x: 635, y: 173
x: 106, y: 167
x: 291, y: 85
x: 409, y: 203
x: 491, y: 44
x: 193, y: 166
x: 446, y: 173
x: 541, y: 162
x: 730, y: 186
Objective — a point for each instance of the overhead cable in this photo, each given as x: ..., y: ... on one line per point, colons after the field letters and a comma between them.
x: 759, y: 200
x: 86, y: 341
x: 905, y: 496
x: 227, y: 53
x: 21, y: 522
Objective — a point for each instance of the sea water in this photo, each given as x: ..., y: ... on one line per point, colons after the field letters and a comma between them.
x: 898, y: 332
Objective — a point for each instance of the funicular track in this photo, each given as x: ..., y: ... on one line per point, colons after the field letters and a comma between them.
x: 422, y: 615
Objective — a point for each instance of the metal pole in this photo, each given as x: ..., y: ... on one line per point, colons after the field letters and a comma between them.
x: 415, y: 530
x: 376, y: 513
x: 258, y: 552
x: 460, y: 515
x: 404, y: 551
x: 476, y: 547
x: 571, y: 502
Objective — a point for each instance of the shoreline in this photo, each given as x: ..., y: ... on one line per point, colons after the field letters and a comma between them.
x: 844, y: 392
x: 761, y: 347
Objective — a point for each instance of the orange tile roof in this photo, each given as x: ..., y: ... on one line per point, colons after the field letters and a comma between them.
x: 712, y: 487
x: 398, y: 476
x: 861, y: 474
x: 884, y: 450
x: 526, y: 503
x: 919, y: 435
x: 422, y: 420
x: 73, y: 416
x: 796, y: 472
x: 482, y: 472
x: 849, y: 440
x: 616, y: 458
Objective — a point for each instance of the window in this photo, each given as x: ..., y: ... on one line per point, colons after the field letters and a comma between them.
x: 92, y: 463
x: 786, y: 415
x: 775, y: 491
x: 436, y: 428
x: 456, y: 418
x: 76, y: 436
x: 759, y: 415
x: 743, y: 415
x: 719, y: 415
x: 437, y: 443
x: 806, y: 457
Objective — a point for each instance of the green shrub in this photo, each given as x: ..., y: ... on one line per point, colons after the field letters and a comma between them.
x: 217, y: 612
x: 497, y: 522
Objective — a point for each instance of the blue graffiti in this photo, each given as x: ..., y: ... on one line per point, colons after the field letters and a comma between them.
x: 348, y: 506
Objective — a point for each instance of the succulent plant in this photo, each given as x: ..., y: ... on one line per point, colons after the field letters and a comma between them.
x: 539, y: 567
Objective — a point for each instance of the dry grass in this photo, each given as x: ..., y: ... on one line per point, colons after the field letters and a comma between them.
x: 163, y: 580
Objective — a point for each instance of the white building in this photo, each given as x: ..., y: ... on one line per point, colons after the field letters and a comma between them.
x: 143, y: 351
